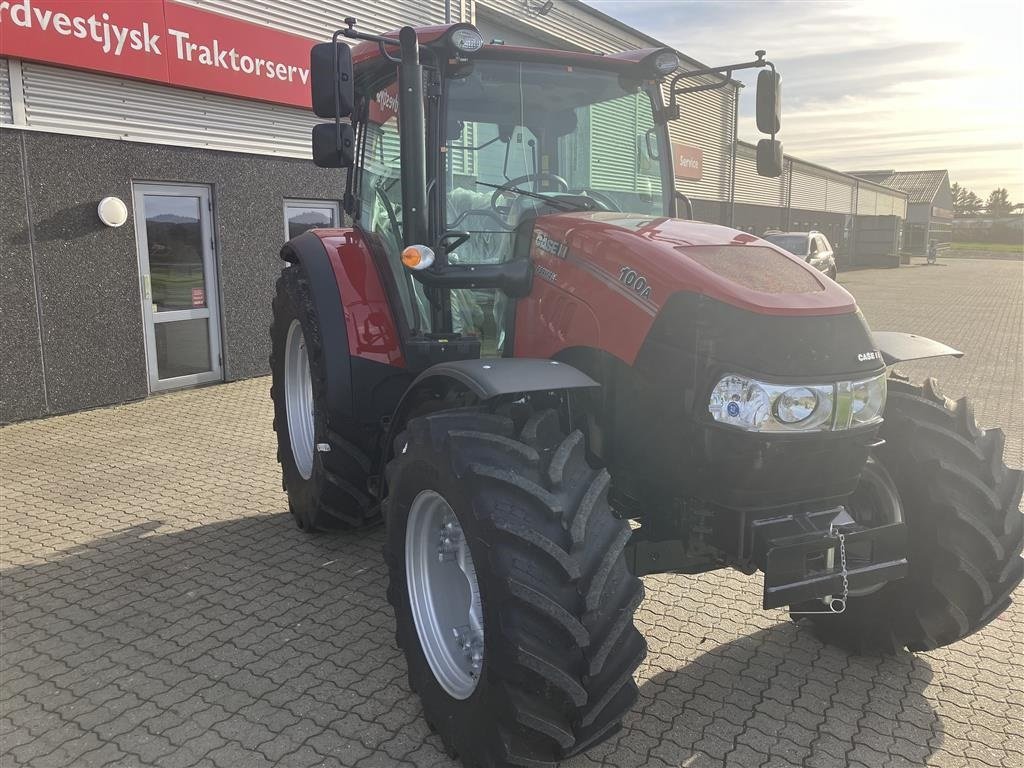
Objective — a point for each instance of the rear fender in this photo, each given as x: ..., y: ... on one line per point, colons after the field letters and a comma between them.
x: 897, y: 347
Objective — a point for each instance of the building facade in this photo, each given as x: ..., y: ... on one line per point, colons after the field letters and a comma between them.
x: 188, y: 119
x: 929, y: 205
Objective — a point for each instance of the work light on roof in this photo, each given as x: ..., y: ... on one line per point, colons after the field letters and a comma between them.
x: 666, y: 62
x: 466, y: 40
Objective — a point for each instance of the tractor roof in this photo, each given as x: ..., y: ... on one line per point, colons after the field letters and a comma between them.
x: 366, y: 53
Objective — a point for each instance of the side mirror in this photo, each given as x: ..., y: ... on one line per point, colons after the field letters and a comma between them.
x: 330, y: 77
x: 769, y: 158
x: 769, y: 101
x: 331, y: 150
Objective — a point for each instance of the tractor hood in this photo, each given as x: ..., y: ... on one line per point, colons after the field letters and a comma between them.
x: 650, y: 259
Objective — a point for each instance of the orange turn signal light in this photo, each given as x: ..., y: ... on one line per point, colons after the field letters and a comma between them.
x: 417, y: 257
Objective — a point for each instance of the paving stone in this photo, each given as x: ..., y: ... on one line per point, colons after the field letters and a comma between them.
x: 161, y: 609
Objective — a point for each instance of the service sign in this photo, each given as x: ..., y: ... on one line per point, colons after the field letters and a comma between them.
x: 687, y: 161
x: 160, y: 41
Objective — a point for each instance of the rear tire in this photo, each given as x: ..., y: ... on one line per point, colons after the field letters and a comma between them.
x: 326, y: 488
x: 560, y: 646
x: 965, y: 530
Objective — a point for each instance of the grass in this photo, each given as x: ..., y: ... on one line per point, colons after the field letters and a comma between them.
x: 993, y: 247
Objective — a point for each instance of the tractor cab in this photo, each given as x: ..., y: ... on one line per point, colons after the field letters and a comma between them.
x: 457, y: 148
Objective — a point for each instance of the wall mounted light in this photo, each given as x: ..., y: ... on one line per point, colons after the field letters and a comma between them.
x: 112, y: 211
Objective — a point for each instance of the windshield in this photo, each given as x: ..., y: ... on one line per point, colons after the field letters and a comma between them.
x: 559, y: 131
x: 795, y: 244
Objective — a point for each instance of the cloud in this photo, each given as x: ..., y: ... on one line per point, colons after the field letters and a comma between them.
x: 906, y: 85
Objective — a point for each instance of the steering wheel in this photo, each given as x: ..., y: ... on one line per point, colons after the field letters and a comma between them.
x: 602, y: 198
x: 511, y: 183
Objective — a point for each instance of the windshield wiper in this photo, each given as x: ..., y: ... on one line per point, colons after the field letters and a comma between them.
x: 565, y: 205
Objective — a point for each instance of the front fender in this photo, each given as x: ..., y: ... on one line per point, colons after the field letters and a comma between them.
x: 308, y: 250
x: 486, y: 378
x: 897, y: 347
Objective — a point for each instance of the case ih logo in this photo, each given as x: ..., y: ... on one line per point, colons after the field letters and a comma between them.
x: 160, y: 41
x: 687, y: 161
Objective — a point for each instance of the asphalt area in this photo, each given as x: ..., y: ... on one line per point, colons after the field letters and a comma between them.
x: 159, y: 608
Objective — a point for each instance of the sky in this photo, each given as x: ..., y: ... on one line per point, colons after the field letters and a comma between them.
x: 870, y: 85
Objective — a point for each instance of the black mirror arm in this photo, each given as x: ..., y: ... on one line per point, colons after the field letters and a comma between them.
x: 671, y: 112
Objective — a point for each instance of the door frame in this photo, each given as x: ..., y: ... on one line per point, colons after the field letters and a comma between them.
x: 210, y: 277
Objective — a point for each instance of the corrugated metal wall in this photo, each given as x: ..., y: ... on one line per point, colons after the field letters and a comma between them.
x: 319, y: 18
x: 867, y: 201
x: 6, y: 111
x: 89, y: 104
x: 877, y: 201
x: 754, y: 189
x: 808, y: 190
x: 839, y: 194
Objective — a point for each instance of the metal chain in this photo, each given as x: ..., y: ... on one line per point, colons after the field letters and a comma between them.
x: 841, y: 537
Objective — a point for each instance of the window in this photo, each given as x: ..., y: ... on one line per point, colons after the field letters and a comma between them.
x: 300, y: 215
x: 518, y: 133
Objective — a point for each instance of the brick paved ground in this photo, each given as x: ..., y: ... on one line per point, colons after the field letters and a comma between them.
x: 159, y: 607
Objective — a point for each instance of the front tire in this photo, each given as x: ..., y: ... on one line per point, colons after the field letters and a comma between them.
x: 550, y: 671
x: 965, y: 530
x: 323, y: 474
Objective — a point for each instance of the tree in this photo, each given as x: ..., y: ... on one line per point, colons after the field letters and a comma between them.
x: 965, y: 202
x: 998, y: 203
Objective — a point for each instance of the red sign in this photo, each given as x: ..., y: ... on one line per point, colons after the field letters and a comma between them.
x: 688, y: 161
x: 160, y: 41
x: 198, y: 297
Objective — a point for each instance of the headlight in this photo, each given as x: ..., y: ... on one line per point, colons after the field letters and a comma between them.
x: 761, y: 407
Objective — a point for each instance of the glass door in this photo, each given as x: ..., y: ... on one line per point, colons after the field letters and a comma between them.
x: 179, y: 285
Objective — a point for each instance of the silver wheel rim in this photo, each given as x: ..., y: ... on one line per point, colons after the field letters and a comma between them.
x: 298, y: 400
x: 883, y: 501
x: 443, y: 594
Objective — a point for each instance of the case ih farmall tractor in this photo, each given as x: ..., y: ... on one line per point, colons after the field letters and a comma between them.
x: 547, y: 385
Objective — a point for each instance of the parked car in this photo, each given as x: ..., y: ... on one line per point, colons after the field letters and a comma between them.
x: 813, y: 247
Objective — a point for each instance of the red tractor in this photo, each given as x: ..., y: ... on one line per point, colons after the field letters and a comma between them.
x: 547, y: 384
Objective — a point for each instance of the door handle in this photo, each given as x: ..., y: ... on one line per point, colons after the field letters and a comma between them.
x: 147, y: 288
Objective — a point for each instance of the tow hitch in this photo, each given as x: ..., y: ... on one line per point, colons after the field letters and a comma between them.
x: 825, y: 556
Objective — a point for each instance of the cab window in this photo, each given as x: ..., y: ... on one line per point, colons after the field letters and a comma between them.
x: 381, y: 203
